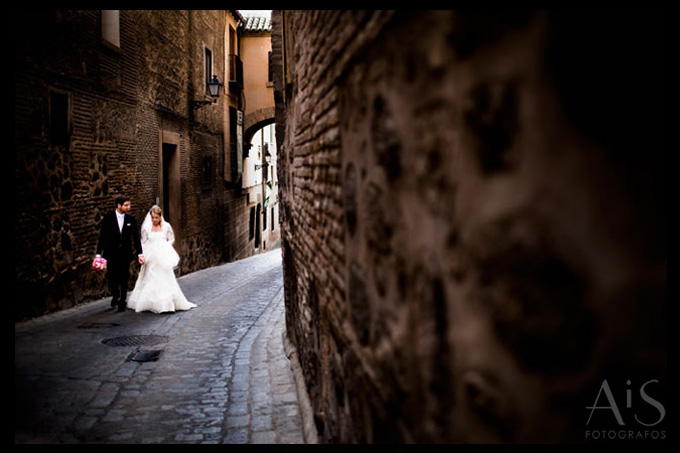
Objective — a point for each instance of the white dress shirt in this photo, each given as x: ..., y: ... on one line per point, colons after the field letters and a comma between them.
x: 121, y: 220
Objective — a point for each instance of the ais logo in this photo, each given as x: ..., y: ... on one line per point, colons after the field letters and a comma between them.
x: 648, y: 412
x: 611, y: 404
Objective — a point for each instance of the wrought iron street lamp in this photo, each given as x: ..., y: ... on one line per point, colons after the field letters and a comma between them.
x: 214, y: 87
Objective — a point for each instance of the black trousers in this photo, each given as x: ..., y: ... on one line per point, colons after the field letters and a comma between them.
x: 118, y: 274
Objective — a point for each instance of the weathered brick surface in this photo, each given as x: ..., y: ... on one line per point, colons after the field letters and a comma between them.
x: 473, y: 226
x: 121, y: 101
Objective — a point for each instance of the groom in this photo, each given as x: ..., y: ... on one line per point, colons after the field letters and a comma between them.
x: 118, y: 234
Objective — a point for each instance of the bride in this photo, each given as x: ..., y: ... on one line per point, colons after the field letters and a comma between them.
x: 156, y: 288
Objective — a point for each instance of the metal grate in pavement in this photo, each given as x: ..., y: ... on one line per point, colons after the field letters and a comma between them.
x: 145, y: 356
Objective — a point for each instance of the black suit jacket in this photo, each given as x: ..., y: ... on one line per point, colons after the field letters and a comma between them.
x: 114, y: 245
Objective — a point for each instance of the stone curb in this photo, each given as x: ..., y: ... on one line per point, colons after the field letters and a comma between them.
x: 309, y: 432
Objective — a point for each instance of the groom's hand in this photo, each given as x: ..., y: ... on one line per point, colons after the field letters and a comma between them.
x: 141, y: 259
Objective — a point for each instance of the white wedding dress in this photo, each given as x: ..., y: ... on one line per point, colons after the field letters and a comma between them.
x: 156, y: 289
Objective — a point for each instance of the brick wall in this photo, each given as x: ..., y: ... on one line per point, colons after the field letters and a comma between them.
x: 121, y: 102
x: 473, y: 220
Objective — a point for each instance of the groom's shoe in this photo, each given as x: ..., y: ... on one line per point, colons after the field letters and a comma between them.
x: 121, y: 307
x: 114, y: 302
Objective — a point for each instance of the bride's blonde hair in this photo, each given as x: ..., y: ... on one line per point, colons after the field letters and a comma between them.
x: 155, y: 209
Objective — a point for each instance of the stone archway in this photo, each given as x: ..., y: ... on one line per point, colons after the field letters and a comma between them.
x: 255, y: 121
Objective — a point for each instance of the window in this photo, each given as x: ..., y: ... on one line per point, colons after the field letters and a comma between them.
x: 233, y: 45
x: 110, y: 21
x: 251, y: 230
x: 208, y: 68
x: 271, y: 220
x: 207, y: 172
x: 60, y: 127
x: 271, y: 72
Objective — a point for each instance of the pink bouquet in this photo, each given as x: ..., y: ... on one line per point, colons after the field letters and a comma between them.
x: 99, y: 264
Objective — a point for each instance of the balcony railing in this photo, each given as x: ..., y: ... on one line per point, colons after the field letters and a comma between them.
x: 235, y: 73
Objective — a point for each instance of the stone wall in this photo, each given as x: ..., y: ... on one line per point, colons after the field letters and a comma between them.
x: 473, y: 221
x: 121, y: 102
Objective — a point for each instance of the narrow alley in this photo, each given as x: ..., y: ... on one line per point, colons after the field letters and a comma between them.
x: 440, y: 226
x: 92, y: 375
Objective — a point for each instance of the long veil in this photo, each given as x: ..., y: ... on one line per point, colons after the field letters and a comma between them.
x: 147, y: 223
x: 146, y: 227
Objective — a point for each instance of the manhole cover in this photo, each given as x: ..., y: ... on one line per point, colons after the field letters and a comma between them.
x: 135, y: 340
x: 145, y: 356
x: 98, y: 325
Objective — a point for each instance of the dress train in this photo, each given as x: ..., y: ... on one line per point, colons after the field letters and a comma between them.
x: 156, y: 289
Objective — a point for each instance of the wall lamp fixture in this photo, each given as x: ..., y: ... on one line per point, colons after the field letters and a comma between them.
x: 213, y: 90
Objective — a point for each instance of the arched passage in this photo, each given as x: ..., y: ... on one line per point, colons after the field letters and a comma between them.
x: 259, y: 180
x: 255, y: 121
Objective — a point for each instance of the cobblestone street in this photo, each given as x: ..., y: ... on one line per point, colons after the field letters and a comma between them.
x: 215, y: 374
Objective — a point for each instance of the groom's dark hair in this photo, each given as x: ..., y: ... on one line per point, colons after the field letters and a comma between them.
x: 121, y: 199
